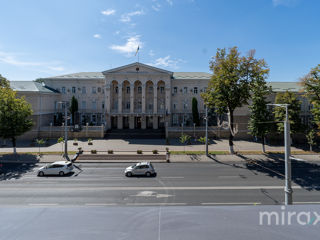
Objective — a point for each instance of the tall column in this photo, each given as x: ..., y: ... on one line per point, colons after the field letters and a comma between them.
x: 120, y: 98
x: 131, y: 97
x: 155, y: 98
x: 168, y: 103
x: 143, y: 100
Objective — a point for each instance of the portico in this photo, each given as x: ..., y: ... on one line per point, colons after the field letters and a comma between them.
x: 138, y: 96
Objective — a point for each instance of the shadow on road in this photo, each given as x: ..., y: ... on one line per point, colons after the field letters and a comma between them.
x: 304, y: 174
x: 15, y: 170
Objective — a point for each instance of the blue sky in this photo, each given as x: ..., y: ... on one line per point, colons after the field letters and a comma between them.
x: 42, y: 38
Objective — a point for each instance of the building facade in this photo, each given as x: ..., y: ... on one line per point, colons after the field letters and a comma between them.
x: 134, y: 96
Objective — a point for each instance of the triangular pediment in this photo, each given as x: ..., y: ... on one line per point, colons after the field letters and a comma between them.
x: 137, y: 67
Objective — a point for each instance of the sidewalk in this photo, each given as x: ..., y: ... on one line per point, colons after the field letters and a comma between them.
x: 142, y: 144
x: 173, y: 159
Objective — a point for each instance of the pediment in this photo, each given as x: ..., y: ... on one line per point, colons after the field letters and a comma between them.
x: 137, y: 67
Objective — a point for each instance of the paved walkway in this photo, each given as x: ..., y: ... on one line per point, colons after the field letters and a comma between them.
x: 143, y: 144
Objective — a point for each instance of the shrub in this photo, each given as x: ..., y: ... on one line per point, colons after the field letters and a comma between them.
x: 93, y: 151
x: 90, y: 141
x: 139, y: 151
x: 110, y: 151
x: 155, y: 151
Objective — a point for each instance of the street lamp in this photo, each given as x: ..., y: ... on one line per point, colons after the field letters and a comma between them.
x: 287, y: 142
x: 207, y: 152
x: 65, y: 130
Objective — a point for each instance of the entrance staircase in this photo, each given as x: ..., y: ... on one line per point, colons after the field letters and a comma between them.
x: 135, y: 134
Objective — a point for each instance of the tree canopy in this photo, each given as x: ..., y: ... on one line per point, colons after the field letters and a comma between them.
x: 229, y: 87
x: 14, y: 114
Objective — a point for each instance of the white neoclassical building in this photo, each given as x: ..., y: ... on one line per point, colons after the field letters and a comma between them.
x: 134, y: 96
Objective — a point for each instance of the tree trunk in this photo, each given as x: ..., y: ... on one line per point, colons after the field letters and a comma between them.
x: 263, y: 144
x: 310, y: 148
x: 231, y: 150
x: 14, y: 145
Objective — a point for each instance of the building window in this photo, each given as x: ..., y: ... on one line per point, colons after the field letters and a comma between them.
x: 150, y: 106
x: 99, y: 89
x: 94, y: 105
x: 94, y: 90
x: 102, y: 105
x: 175, y: 119
x: 195, y: 90
x: 185, y: 106
x: 63, y: 90
x: 116, y: 89
x: 185, y: 90
x: 161, y: 89
x: 128, y: 89
x: 84, y: 105
x: 139, y: 89
x: 174, y: 106
x: 84, y: 90
x: 175, y: 90
x: 128, y: 105
x: 150, y: 89
x: 73, y: 90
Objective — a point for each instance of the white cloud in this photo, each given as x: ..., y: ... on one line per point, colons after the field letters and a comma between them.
x: 97, y: 36
x: 156, y: 6
x: 151, y: 53
x: 287, y: 3
x: 127, y: 16
x: 117, y: 32
x: 129, y: 47
x: 170, y: 2
x: 108, y: 12
x: 166, y: 62
x: 11, y: 59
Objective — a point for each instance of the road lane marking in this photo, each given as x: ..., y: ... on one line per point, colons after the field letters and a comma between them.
x: 156, y: 204
x: 101, y: 204
x: 238, y: 203
x: 228, y: 176
x: 172, y: 177
x: 43, y: 204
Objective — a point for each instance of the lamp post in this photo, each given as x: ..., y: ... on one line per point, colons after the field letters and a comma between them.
x: 287, y: 142
x: 65, y: 130
x: 206, y: 118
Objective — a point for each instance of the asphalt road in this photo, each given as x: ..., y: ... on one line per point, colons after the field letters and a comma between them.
x: 176, y: 184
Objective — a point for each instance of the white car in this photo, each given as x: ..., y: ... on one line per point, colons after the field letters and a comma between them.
x: 57, y: 168
x: 141, y: 168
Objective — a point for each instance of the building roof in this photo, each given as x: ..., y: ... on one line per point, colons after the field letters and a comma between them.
x: 285, y: 86
x: 31, y: 86
x: 80, y: 75
x: 137, y: 64
x: 191, y: 75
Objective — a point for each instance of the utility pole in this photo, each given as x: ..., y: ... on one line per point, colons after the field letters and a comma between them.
x: 287, y: 142
x: 207, y: 152
x: 65, y: 132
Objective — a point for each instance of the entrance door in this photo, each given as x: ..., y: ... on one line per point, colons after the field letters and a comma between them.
x: 125, y: 122
x: 161, y: 122
x: 149, y: 122
x: 114, y: 122
x: 137, y: 122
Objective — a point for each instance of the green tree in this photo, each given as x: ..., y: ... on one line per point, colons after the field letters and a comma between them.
x: 61, y: 140
x: 73, y: 108
x: 4, y: 83
x: 260, y: 117
x: 311, y: 138
x: 184, y: 139
x: 311, y: 85
x: 195, y: 112
x: 40, y: 142
x: 15, y: 114
x: 229, y: 87
x: 294, y: 107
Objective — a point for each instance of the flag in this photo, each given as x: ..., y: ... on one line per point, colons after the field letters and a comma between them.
x: 137, y: 50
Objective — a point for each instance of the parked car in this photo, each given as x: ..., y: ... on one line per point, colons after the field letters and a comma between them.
x: 57, y: 168
x: 141, y: 168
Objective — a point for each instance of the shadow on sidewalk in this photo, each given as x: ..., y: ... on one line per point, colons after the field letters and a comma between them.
x: 304, y: 174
